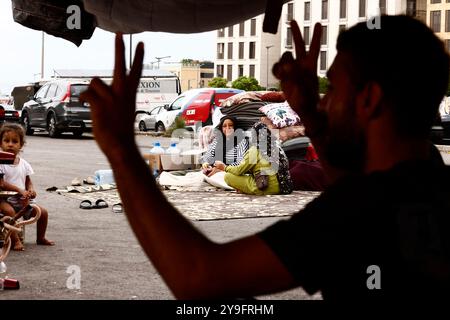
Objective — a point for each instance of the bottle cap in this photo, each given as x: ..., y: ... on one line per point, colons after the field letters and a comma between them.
x: 157, y: 144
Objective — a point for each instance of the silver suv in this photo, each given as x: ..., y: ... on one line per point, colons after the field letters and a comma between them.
x: 56, y: 107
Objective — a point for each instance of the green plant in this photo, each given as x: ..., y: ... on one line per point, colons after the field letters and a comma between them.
x: 179, y: 123
x: 323, y: 85
x: 246, y: 83
x: 218, y: 82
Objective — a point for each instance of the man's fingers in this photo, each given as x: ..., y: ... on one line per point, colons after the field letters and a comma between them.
x: 90, y: 96
x: 314, y: 49
x: 101, y: 88
x: 136, y: 69
x: 299, y: 43
x: 119, y: 64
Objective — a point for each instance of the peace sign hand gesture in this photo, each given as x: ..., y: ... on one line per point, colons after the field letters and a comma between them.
x: 113, y: 107
x: 299, y: 80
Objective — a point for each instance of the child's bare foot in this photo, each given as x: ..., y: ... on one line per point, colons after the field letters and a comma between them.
x: 45, y: 242
x: 18, y: 246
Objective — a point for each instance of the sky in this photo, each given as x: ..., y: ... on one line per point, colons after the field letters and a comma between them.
x: 20, y: 50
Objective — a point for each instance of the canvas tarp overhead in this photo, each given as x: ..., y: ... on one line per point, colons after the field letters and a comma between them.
x: 132, y: 16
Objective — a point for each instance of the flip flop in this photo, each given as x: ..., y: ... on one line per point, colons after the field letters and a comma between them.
x: 75, y: 182
x: 117, y: 208
x: 100, y: 204
x: 86, y: 204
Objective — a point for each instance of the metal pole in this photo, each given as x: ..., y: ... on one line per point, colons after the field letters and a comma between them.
x: 131, y: 43
x: 267, y: 66
x: 42, y: 56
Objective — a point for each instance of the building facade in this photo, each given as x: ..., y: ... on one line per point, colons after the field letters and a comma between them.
x: 244, y: 50
x: 193, y: 74
x: 438, y: 18
x: 334, y: 15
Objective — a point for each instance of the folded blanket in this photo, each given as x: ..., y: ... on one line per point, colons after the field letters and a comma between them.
x: 193, y: 179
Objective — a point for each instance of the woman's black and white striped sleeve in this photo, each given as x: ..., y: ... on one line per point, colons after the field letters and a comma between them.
x: 233, y: 156
x: 210, y: 154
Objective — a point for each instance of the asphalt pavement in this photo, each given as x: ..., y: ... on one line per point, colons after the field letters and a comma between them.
x: 96, y: 255
x: 96, y: 247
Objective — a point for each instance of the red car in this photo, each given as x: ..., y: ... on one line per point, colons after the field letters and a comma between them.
x: 201, y: 107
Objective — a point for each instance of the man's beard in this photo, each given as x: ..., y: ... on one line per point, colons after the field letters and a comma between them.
x: 345, y: 147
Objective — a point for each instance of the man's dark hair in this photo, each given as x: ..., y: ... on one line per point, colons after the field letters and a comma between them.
x: 410, y: 64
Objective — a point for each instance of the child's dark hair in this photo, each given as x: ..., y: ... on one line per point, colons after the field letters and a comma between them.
x: 17, y: 128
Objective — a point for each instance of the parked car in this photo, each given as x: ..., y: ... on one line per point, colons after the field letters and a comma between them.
x: 57, y: 108
x: 198, y: 111
x: 9, y: 114
x: 165, y: 119
x: 148, y: 121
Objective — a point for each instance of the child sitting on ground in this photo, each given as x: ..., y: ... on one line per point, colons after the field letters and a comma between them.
x: 16, y: 177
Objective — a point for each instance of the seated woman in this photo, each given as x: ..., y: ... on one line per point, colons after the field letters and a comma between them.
x: 264, y: 169
x: 229, y: 145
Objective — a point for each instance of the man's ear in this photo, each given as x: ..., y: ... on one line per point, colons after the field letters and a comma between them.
x: 369, y: 100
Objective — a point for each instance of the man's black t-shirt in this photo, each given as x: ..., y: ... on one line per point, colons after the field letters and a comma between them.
x: 388, y: 230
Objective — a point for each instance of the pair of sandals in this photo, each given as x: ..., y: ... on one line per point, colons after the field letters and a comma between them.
x: 99, y: 204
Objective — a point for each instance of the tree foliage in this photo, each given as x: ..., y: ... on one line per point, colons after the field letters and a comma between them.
x: 218, y: 82
x: 246, y: 83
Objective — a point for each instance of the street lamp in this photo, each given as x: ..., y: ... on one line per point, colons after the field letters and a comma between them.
x: 42, y: 56
x: 267, y: 66
x: 160, y: 58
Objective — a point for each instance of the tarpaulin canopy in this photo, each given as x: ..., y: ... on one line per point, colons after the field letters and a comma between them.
x: 132, y: 16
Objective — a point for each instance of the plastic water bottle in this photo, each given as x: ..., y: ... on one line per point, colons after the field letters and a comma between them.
x: 173, y: 149
x: 104, y: 177
x: 157, y: 149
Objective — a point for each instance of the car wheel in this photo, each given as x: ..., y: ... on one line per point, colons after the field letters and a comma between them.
x: 142, y: 126
x: 77, y: 134
x: 53, y: 132
x: 26, y: 124
x: 160, y: 127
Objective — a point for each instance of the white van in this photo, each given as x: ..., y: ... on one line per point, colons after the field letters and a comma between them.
x: 156, y: 88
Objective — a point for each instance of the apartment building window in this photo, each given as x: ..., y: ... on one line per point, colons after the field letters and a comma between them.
x: 288, y: 38
x: 362, y: 8
x: 382, y: 6
x: 241, y: 29
x: 447, y: 21
x: 324, y: 39
x: 435, y: 20
x: 220, y: 70
x: 306, y: 36
x: 323, y: 60
x: 220, y: 50
x: 290, y: 12
x: 230, y: 50
x: 230, y: 31
x: 343, y: 9
x: 342, y: 27
x: 241, y: 50
x: 324, y: 9
x: 241, y: 70
x: 251, y: 71
x: 307, y: 11
x: 221, y: 33
x: 251, y: 52
x: 253, y: 27
x: 229, y: 72
x: 436, y: 1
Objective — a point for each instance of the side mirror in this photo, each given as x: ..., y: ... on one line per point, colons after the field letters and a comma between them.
x: 166, y: 106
